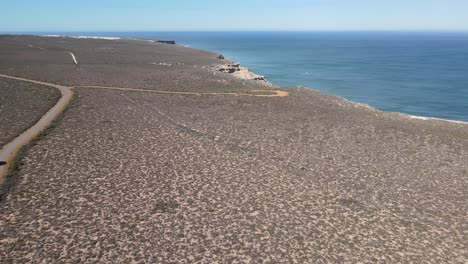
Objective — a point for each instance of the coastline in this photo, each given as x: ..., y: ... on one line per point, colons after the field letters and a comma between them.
x: 208, y: 172
x: 245, y: 74
x: 360, y: 67
x: 436, y: 119
x: 425, y: 118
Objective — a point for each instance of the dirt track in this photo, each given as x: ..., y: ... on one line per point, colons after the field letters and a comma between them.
x: 9, y: 151
x: 18, y: 112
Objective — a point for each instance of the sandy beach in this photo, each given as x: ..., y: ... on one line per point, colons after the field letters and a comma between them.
x: 202, y: 173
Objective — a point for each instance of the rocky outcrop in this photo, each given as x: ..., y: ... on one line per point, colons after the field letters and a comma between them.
x: 172, y: 42
x: 260, y: 78
x: 230, y: 68
x: 221, y: 57
x: 238, y: 71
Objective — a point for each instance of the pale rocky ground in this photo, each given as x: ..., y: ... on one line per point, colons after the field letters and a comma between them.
x: 309, y: 178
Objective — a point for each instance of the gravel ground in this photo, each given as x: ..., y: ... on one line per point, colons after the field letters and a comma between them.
x: 124, y: 63
x: 21, y: 105
x: 309, y: 178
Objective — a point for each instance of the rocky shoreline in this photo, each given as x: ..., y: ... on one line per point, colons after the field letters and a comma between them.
x: 238, y: 71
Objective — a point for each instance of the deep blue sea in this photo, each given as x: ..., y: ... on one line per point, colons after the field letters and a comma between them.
x: 418, y: 73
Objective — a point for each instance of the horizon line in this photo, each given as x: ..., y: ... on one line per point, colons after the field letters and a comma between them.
x: 234, y: 30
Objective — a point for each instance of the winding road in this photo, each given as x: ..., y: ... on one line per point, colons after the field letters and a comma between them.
x: 255, y: 93
x: 9, y: 151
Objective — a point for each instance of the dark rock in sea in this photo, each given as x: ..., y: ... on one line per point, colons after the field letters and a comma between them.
x: 221, y: 57
x: 172, y: 42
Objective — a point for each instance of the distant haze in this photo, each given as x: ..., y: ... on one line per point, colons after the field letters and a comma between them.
x: 125, y: 15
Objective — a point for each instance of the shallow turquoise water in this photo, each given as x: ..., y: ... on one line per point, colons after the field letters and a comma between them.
x: 418, y: 73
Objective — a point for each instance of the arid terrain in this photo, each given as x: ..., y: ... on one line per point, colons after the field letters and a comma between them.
x: 19, y: 112
x: 135, y: 176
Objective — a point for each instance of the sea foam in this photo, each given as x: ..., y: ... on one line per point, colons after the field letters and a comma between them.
x: 83, y: 37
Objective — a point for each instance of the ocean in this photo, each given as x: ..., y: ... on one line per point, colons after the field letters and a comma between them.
x: 417, y: 73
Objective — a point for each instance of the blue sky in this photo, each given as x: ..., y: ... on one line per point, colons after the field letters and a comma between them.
x: 176, y: 15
